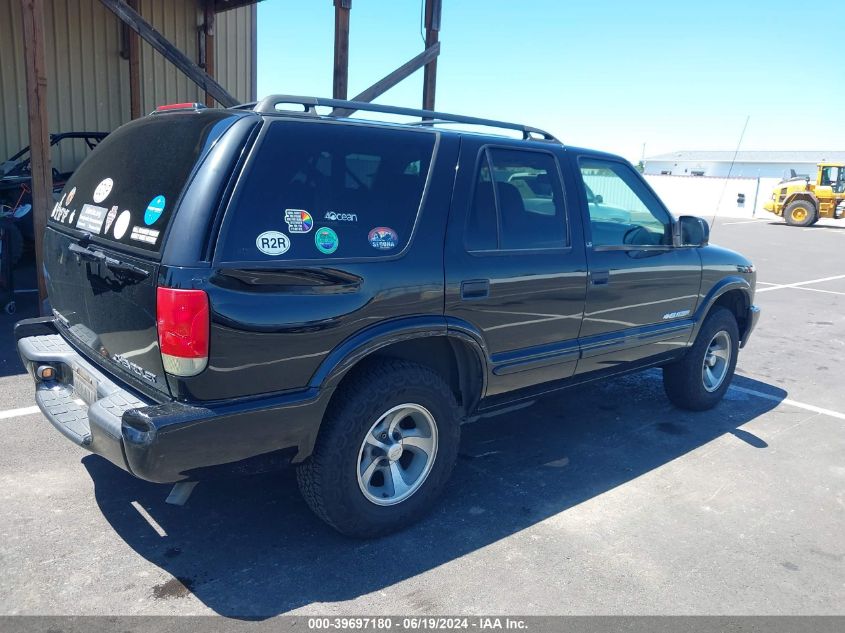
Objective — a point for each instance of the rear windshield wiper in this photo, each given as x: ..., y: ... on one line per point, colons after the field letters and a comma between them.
x: 114, y: 265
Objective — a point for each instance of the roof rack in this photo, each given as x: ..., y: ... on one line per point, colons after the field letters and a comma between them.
x: 341, y: 108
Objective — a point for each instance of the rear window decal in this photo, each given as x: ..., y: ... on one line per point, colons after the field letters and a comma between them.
x: 383, y: 238
x: 298, y: 221
x: 110, y: 218
x: 72, y: 215
x: 332, y: 216
x: 141, y: 234
x: 326, y: 240
x: 91, y: 218
x: 70, y: 196
x: 103, y: 190
x: 272, y: 243
x: 122, y: 224
x: 154, y: 210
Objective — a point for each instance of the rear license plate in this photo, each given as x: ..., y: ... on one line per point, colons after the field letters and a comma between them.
x: 85, y: 385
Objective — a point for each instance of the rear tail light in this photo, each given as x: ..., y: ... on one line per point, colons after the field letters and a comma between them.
x: 182, y: 317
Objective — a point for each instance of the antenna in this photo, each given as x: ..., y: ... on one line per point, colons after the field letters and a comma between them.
x: 730, y: 171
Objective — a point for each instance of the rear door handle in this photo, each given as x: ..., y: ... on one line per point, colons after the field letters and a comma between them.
x: 599, y: 277
x: 475, y: 289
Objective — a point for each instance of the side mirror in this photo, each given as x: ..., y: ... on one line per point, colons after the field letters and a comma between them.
x: 691, y: 230
x: 599, y: 199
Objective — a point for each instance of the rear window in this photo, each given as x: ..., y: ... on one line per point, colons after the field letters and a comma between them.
x: 317, y: 190
x: 127, y: 189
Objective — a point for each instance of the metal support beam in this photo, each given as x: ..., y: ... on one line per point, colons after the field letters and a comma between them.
x: 169, y: 51
x: 208, y: 40
x: 386, y: 83
x: 433, y: 9
x: 39, y: 134
x: 134, y: 69
x: 340, y: 84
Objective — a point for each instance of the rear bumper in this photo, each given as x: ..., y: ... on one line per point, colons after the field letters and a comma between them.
x: 752, y: 316
x: 167, y: 442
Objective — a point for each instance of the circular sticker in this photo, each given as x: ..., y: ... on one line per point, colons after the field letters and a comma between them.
x: 70, y: 196
x: 326, y: 240
x: 272, y: 243
x: 154, y: 210
x: 103, y: 190
x: 122, y: 224
x: 383, y: 238
x: 298, y: 221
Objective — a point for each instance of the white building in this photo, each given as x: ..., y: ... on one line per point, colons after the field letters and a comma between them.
x: 748, y: 164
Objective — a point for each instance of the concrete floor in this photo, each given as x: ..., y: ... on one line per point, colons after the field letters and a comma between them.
x: 602, y: 500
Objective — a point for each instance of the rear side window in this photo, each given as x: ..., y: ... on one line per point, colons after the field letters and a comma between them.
x: 127, y: 189
x: 316, y: 191
x: 517, y: 203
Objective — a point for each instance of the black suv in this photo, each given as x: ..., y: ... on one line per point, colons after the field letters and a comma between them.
x: 234, y: 290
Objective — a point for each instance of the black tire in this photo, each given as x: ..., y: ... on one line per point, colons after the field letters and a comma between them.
x: 328, y: 479
x: 684, y: 381
x: 800, y: 213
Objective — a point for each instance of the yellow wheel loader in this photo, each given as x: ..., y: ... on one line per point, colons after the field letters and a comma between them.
x: 803, y: 203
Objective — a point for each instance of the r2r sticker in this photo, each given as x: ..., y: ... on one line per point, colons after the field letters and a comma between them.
x: 154, y: 210
x: 298, y: 221
x: 272, y: 243
x: 383, y: 238
x: 103, y: 190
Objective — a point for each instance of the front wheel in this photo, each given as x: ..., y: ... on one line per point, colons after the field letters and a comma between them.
x: 800, y: 213
x: 700, y: 379
x: 385, y: 450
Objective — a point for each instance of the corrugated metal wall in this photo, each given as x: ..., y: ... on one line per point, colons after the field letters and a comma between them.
x: 88, y: 80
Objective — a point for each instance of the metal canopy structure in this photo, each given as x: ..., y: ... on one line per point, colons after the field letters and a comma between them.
x: 200, y: 74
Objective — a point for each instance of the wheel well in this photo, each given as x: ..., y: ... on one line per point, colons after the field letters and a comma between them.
x: 802, y: 197
x: 737, y: 302
x: 453, y: 359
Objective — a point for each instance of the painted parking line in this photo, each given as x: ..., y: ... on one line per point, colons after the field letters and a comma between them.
x: 16, y: 413
x: 790, y: 402
x: 800, y: 283
x: 743, y: 222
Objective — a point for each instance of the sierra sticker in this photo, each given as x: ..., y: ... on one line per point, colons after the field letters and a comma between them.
x: 326, y: 240
x: 383, y: 238
x: 272, y: 243
x: 154, y: 210
x: 103, y: 190
x: 122, y: 224
x: 90, y: 218
x: 298, y: 220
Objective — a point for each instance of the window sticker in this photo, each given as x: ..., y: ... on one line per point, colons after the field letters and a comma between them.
x: 331, y: 216
x: 72, y: 215
x: 154, y: 210
x: 298, y: 221
x: 272, y: 243
x: 122, y: 224
x: 326, y: 240
x: 91, y: 218
x: 383, y: 238
x: 141, y: 234
x: 70, y: 196
x: 103, y: 190
x: 110, y: 218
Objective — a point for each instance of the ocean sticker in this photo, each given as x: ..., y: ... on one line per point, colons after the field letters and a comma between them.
x: 90, y: 218
x: 70, y: 196
x: 326, y: 240
x: 110, y: 218
x: 121, y: 224
x: 298, y: 221
x: 103, y: 190
x: 332, y: 216
x: 383, y: 238
x: 154, y: 210
x: 272, y: 243
x: 141, y: 234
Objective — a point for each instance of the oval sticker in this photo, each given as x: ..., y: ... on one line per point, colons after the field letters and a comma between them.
x: 154, y: 210
x: 272, y: 243
x: 383, y: 238
x: 103, y: 190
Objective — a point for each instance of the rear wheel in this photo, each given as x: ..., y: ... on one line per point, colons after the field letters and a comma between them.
x: 800, y: 213
x: 385, y: 450
x: 700, y: 379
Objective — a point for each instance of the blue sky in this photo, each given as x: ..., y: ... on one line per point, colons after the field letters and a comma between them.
x: 610, y: 74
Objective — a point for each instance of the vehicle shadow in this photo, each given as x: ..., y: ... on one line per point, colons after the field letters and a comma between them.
x: 815, y: 227
x: 26, y: 304
x: 250, y: 548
